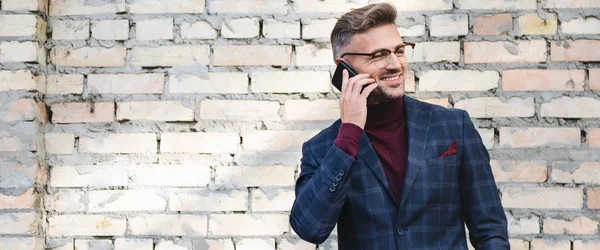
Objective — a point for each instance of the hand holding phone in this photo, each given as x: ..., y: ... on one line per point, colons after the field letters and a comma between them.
x: 355, y: 89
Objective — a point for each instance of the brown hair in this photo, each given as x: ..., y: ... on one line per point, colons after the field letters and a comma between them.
x: 360, y: 20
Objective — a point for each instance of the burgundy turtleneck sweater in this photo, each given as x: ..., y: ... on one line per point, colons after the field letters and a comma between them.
x: 386, y: 129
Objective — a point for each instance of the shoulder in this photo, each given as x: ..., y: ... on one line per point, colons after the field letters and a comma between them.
x: 439, y: 113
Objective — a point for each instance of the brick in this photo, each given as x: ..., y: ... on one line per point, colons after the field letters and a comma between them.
x: 571, y: 4
x: 127, y: 200
x: 169, y: 245
x: 59, y: 143
x: 449, y: 25
x: 22, y: 169
x: 175, y: 55
x: 249, y: 244
x: 410, y: 85
x: 130, y: 143
x: 589, y: 25
x: 133, y: 244
x: 496, y: 5
x: 433, y: 52
x: 212, y: 82
x: 18, y: 137
x: 543, y: 80
x: 542, y: 198
x: 252, y: 55
x: 273, y: 28
x: 550, y: 244
x: 295, y: 244
x: 505, y: 52
x: 235, y: 177
x: 23, y: 201
x: 196, y: 175
x: 199, y: 142
x: 458, y: 80
x: 18, y: 110
x: 290, y: 82
x: 18, y: 223
x: 578, y: 50
x: 20, y: 25
x: 200, y: 30
x: 519, y: 171
x: 88, y: 176
x: 412, y: 31
x: 173, y: 6
x: 61, y: 244
x: 590, y: 244
x: 308, y: 110
x: 248, y: 225
x: 327, y: 6
x: 240, y: 28
x: 280, y: 141
x: 111, y: 30
x: 21, y: 243
x: 69, y: 29
x: 169, y: 225
x: 523, y: 225
x: 570, y: 107
x: 426, y: 5
x: 493, y: 25
x: 576, y: 172
x: 154, y: 111
x: 533, y: 24
x: 487, y: 136
x: 264, y: 199
x: 81, y: 244
x: 88, y: 57
x: 86, y: 225
x: 593, y: 198
x: 485, y: 107
x: 18, y: 52
x: 243, y: 6
x: 64, y: 84
x: 437, y: 101
x: 31, y: 5
x: 577, y: 225
x: 126, y: 83
x: 317, y: 28
x: 207, y: 200
x: 330, y: 243
x: 593, y: 138
x: 81, y: 7
x: 239, y: 110
x: 540, y: 137
x: 65, y: 201
x: 594, y: 78
x: 267, y: 158
x: 17, y: 80
x: 83, y: 112
x: 155, y: 29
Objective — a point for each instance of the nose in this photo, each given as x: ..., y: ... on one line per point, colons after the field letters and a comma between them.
x: 395, y: 62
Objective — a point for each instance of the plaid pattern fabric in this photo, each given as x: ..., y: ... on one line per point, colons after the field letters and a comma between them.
x: 441, y: 194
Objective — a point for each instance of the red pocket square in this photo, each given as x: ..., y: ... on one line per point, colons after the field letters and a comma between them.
x: 451, y: 150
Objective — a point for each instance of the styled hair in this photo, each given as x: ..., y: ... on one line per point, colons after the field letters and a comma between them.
x: 358, y: 21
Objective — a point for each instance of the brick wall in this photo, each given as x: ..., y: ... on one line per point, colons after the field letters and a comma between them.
x: 167, y: 125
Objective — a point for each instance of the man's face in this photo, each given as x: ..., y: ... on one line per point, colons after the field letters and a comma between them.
x: 390, y: 77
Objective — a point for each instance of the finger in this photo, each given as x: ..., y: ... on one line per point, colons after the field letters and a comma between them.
x: 359, y: 83
x: 344, y: 80
x: 368, y: 90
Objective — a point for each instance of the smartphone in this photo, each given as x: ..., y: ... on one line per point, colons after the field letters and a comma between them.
x: 338, y: 75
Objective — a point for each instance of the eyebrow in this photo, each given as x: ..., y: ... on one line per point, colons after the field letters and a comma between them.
x: 382, y: 49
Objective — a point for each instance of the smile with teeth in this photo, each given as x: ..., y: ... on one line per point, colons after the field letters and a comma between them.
x: 391, y: 78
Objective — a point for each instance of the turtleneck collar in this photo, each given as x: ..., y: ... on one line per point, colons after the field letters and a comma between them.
x: 385, y: 113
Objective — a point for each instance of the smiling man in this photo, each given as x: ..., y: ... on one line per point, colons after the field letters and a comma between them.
x: 393, y: 172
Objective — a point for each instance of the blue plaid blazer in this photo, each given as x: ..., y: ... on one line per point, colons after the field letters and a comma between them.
x: 441, y: 194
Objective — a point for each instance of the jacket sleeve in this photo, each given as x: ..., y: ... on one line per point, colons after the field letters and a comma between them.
x: 480, y: 202
x: 320, y: 192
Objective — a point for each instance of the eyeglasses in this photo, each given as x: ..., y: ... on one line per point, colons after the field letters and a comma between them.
x: 381, y: 58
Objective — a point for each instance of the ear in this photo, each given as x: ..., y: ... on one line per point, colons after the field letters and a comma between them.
x: 339, y: 59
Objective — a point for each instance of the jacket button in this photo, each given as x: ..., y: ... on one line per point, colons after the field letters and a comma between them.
x: 341, y: 172
x: 331, y: 188
x: 400, y: 231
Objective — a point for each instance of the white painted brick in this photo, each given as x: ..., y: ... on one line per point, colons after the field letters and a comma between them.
x: 240, y: 28
x: 19, y: 25
x: 172, y: 6
x: 207, y: 200
x: 19, y: 137
x: 248, y: 224
x: 81, y: 244
x: 126, y: 83
x: 505, y: 52
x: 235, y: 177
x: 80, y: 7
x: 22, y: 243
x: 239, y: 110
x: 560, y: 4
x: 311, y: 110
x: 170, y: 245
x: 286, y: 141
x: 156, y: 29
x: 412, y: 31
x: 83, y: 112
x: 17, y: 80
x: 199, y: 142
x: 324, y: 6
x: 449, y: 25
x: 295, y: 244
x: 133, y: 244
x: 576, y: 172
x: 290, y: 82
x: 69, y: 29
x: 196, y: 175
x: 458, y: 80
x: 267, y: 158
x: 540, y: 137
x: 89, y: 56
x: 154, y: 111
x: 59, y: 143
x: 424, y: 5
x: 281, y: 29
x: 485, y: 107
x: 31, y: 5
x: 18, y: 110
x: 589, y: 25
x: 61, y: 244
x: 496, y: 5
x: 18, y: 223
x: 18, y: 52
x: 65, y: 200
x: 175, y: 55
x: 434, y: 52
x: 118, y: 143
x: 318, y: 28
x: 88, y: 176
x: 570, y: 107
x: 330, y: 243
x: 524, y: 225
x: 213, y: 82
x: 127, y: 200
x: 311, y: 54
x: 577, y: 225
x: 86, y: 225
x: 266, y: 199
x: 169, y: 225
x: 198, y: 30
x: 250, y: 244
x: 589, y: 244
x: 245, y: 6
x: 542, y: 197
x: 64, y: 84
x: 111, y: 30
x: 248, y: 55
x: 550, y: 244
